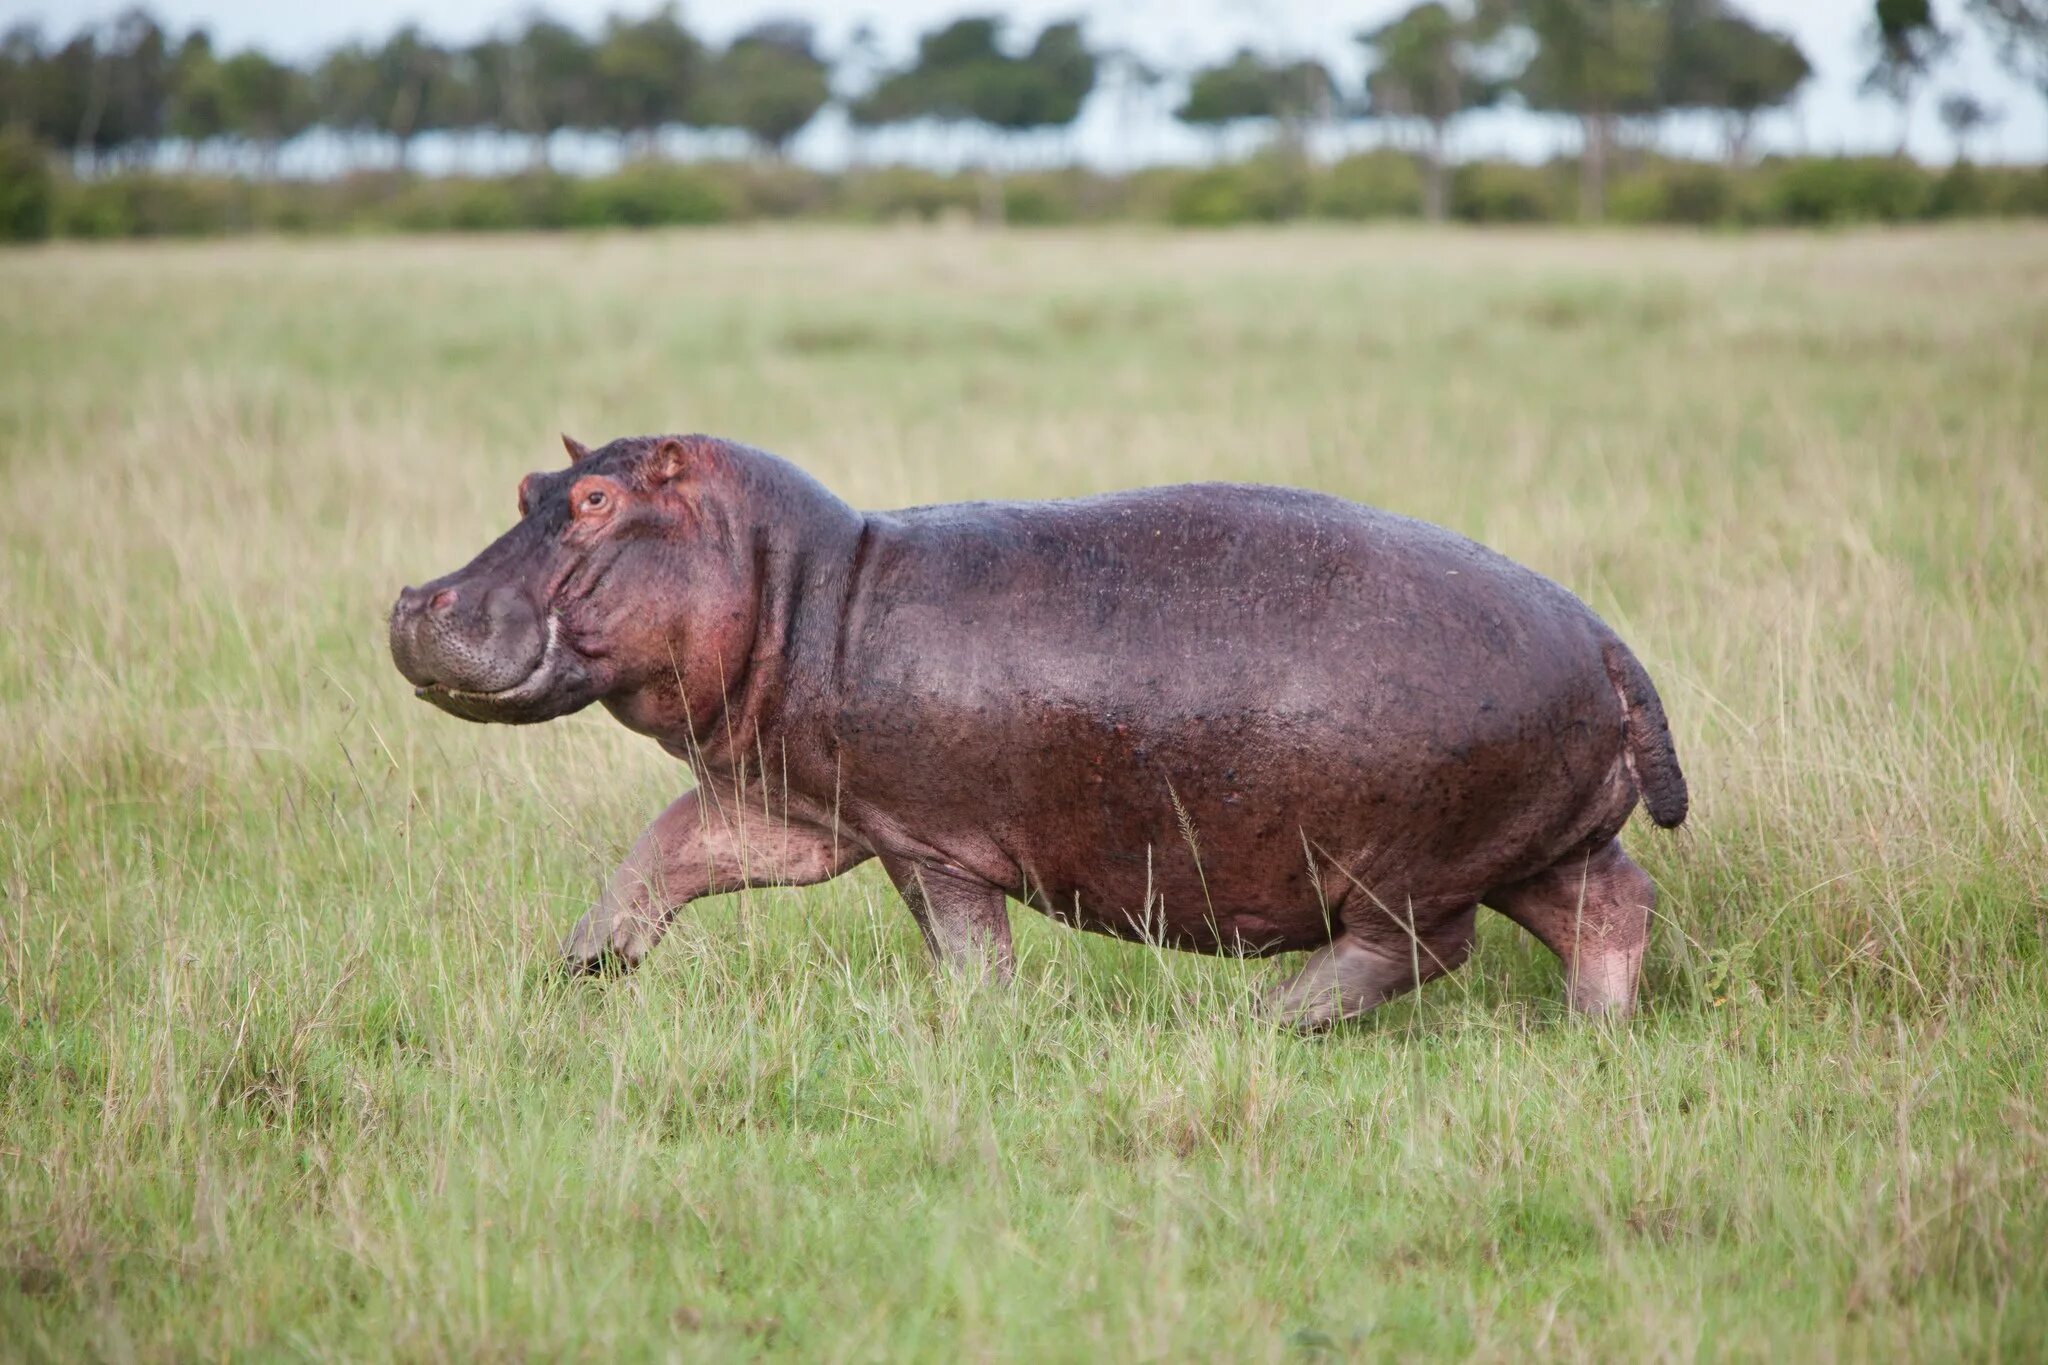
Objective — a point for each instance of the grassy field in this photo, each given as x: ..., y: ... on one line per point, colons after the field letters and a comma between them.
x: 288, y: 1071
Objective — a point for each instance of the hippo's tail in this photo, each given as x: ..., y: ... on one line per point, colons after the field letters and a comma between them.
x: 1646, y: 737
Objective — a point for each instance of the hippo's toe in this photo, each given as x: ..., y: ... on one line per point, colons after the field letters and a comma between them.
x: 597, y: 946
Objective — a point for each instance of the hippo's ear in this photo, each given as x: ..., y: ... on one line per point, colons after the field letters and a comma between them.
x: 578, y: 452
x: 669, y: 461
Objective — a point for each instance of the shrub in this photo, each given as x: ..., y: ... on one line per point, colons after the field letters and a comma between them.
x: 1825, y: 190
x: 885, y: 194
x: 1146, y: 194
x: 2024, y: 189
x: 776, y: 189
x: 94, y: 209
x: 291, y: 208
x: 1962, y: 191
x: 1038, y: 201
x: 1378, y: 184
x: 651, y: 195
x: 1676, y: 192
x: 28, y: 190
x: 1970, y: 191
x: 152, y: 205
x: 36, y: 198
x: 1503, y: 192
x: 484, y: 206
x: 1265, y: 189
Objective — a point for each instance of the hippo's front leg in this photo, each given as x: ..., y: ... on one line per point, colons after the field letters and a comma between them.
x: 696, y: 848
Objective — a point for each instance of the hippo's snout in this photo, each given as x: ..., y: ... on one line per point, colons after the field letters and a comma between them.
x: 456, y: 638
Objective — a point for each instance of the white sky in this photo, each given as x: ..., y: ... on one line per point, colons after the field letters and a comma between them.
x: 1830, y: 116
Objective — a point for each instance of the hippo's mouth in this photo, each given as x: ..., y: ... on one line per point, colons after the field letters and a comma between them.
x: 537, y: 696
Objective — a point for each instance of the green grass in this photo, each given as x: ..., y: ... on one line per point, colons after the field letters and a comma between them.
x: 289, y: 1073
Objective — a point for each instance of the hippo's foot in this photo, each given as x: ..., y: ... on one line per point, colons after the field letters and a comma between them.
x: 1355, y: 973
x: 603, y: 963
x: 1593, y: 911
x: 603, y: 944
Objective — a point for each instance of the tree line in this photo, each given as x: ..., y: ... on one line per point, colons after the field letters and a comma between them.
x: 129, y: 93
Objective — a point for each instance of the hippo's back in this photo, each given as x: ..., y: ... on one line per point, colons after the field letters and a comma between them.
x: 1080, y: 691
x: 1204, y: 598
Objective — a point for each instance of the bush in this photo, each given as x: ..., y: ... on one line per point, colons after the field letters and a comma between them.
x: 777, y: 189
x: 92, y: 210
x: 1379, y: 184
x: 1676, y: 192
x: 1820, y: 191
x: 888, y: 193
x: 485, y: 206
x: 1146, y: 195
x: 1033, y: 203
x: 1962, y: 191
x: 37, y: 199
x: 1049, y: 198
x: 2024, y: 189
x: 523, y: 201
x: 1265, y: 189
x: 152, y: 205
x: 651, y: 195
x: 1503, y: 192
x: 28, y: 190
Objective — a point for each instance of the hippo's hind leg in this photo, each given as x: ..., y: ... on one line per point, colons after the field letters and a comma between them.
x: 965, y: 922
x: 1593, y: 910
x: 1367, y: 965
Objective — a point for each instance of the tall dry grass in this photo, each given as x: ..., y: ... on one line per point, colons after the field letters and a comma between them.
x: 290, y: 1073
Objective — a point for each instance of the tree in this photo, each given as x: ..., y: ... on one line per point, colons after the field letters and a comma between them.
x: 456, y: 96
x: 962, y: 75
x: 1599, y: 61
x: 71, y: 96
x: 1132, y: 79
x: 1290, y: 94
x: 2019, y: 31
x: 138, y: 84
x: 1063, y: 73
x: 22, y: 64
x: 940, y: 82
x: 346, y: 94
x: 1909, y: 44
x: 1964, y: 115
x: 408, y: 67
x: 648, y: 74
x: 28, y: 192
x: 105, y: 91
x: 1718, y: 60
x: 770, y: 82
x: 555, y: 74
x: 266, y: 103
x: 491, y: 69
x: 198, y: 102
x: 1429, y: 70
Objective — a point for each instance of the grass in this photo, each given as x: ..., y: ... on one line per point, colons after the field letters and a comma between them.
x: 289, y: 1073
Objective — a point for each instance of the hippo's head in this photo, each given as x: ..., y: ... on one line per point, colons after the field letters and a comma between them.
x: 617, y: 565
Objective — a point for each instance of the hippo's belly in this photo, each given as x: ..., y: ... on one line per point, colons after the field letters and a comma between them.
x: 1188, y: 921
x: 1229, y: 833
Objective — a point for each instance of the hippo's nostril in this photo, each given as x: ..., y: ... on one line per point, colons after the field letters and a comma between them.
x: 467, y: 636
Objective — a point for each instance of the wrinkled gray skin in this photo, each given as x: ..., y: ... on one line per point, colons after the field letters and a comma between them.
x: 1229, y: 719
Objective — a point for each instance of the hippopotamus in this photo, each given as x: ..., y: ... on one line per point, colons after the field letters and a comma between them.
x: 1226, y: 718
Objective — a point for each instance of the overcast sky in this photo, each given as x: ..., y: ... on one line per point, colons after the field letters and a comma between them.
x: 1831, y: 115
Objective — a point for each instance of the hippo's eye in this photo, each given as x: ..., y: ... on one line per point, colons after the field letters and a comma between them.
x: 591, y: 498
